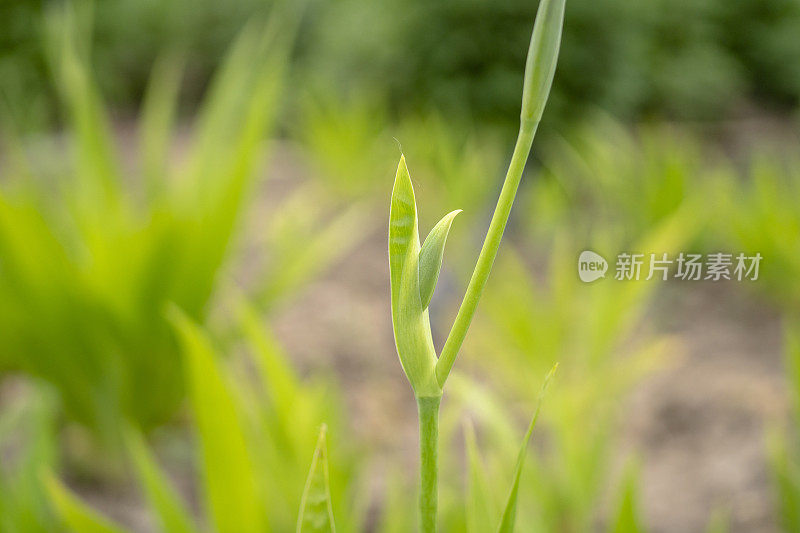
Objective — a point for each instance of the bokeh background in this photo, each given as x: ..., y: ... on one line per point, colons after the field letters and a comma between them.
x: 193, y: 210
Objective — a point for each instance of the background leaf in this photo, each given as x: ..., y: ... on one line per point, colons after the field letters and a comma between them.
x: 316, y: 512
x: 76, y: 515
x: 232, y: 492
x: 161, y: 497
x: 510, y: 511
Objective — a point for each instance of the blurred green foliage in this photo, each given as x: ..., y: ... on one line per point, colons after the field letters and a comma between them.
x: 90, y: 257
x: 684, y: 59
x: 256, y: 434
x: 28, y: 444
x: 783, y: 442
x: 127, y: 37
x: 83, y: 282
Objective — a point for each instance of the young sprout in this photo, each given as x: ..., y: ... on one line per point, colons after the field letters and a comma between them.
x: 414, y: 269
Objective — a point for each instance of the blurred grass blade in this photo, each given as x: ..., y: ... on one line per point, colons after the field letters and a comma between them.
x: 231, y: 488
x: 76, y: 515
x: 786, y: 480
x: 316, y: 511
x: 161, y: 497
x: 95, y: 157
x: 792, y: 360
x: 304, y: 244
x: 627, y: 519
x: 479, y: 504
x: 430, y: 257
x: 510, y: 511
x: 158, y: 117
x: 276, y: 374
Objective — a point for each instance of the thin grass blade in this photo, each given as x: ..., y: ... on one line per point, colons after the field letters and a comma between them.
x: 161, y: 497
x: 479, y: 506
x: 231, y: 488
x: 627, y: 518
x: 277, y: 375
x: 316, y: 511
x: 95, y: 155
x: 510, y: 511
x: 75, y: 514
x: 158, y: 117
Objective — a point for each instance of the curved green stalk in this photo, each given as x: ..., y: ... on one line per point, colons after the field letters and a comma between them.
x: 491, y: 244
x: 540, y: 68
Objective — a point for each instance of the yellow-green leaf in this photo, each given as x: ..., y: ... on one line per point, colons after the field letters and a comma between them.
x: 161, y: 497
x: 430, y: 257
x: 231, y: 487
x: 412, y: 330
x: 510, y: 512
x: 403, y: 227
x: 627, y: 518
x: 75, y: 514
x: 479, y: 506
x: 316, y: 511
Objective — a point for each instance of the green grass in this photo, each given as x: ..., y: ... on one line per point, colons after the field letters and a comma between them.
x: 92, y: 249
x: 255, y: 439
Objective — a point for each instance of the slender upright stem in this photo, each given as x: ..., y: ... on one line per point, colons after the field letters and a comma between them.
x: 428, y: 409
x: 491, y: 244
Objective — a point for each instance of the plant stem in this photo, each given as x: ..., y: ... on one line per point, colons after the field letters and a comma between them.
x: 491, y: 244
x: 428, y: 410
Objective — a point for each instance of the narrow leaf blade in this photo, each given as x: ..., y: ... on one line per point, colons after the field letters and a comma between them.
x: 510, y: 511
x: 316, y: 511
x: 231, y: 488
x: 75, y: 514
x: 479, y: 506
x: 158, y: 117
x: 161, y: 497
x: 430, y: 257
x: 627, y: 516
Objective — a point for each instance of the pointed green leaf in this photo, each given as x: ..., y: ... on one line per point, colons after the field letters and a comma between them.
x: 480, y: 509
x: 627, y: 518
x: 430, y: 257
x: 277, y: 375
x: 75, y: 514
x: 412, y: 331
x: 510, y: 512
x: 316, y: 511
x: 158, y: 117
x: 403, y: 227
x: 231, y: 489
x: 161, y: 497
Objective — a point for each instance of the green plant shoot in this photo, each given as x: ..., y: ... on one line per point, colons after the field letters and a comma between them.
x: 414, y: 269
